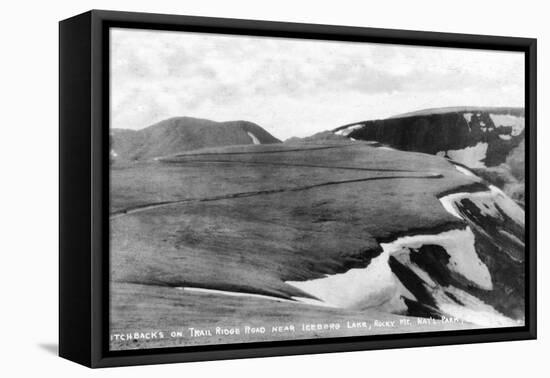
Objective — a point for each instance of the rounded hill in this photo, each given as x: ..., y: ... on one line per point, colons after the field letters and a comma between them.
x: 180, y: 134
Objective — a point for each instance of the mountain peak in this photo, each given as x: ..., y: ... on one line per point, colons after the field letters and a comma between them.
x: 180, y: 134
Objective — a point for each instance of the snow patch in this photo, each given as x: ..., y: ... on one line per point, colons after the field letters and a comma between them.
x: 511, y: 208
x: 253, y: 137
x: 424, y: 276
x: 448, y: 203
x: 376, y: 285
x: 468, y: 117
x: 505, y: 137
x: 473, y: 311
x: 486, y: 202
x: 346, y: 131
x: 460, y: 245
x: 358, y: 288
x: 464, y: 171
x: 507, y: 120
x: 470, y: 156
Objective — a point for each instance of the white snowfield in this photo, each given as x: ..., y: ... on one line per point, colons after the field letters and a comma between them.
x: 377, y: 286
x: 348, y: 130
x: 474, y: 310
x: 470, y: 156
x: 355, y: 289
x: 501, y: 120
x: 361, y: 288
x: 459, y: 244
x: 507, y: 120
x: 253, y: 137
x: 486, y: 202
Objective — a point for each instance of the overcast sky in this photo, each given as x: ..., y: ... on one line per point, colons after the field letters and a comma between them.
x: 296, y: 87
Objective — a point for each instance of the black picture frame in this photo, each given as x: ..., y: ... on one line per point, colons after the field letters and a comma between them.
x: 84, y: 185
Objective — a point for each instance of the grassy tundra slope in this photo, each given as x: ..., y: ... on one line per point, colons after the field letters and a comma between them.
x: 250, y: 220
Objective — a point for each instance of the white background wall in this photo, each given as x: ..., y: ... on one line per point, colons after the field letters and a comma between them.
x: 28, y: 314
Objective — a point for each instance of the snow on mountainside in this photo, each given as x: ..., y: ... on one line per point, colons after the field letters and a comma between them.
x: 459, y: 273
x: 464, y: 109
x: 182, y: 134
x: 488, y: 140
x: 313, y: 232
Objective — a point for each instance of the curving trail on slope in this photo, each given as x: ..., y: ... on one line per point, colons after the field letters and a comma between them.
x: 262, y: 225
x: 157, y: 205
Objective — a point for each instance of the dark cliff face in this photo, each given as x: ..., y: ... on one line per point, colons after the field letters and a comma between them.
x: 439, y: 133
x: 490, y: 141
x: 500, y: 247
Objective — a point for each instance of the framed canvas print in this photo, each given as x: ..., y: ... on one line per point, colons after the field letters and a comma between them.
x: 234, y: 188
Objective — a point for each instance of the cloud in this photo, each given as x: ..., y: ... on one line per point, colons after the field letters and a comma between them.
x: 296, y: 87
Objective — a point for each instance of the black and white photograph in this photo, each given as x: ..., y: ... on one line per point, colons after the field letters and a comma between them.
x: 270, y: 189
